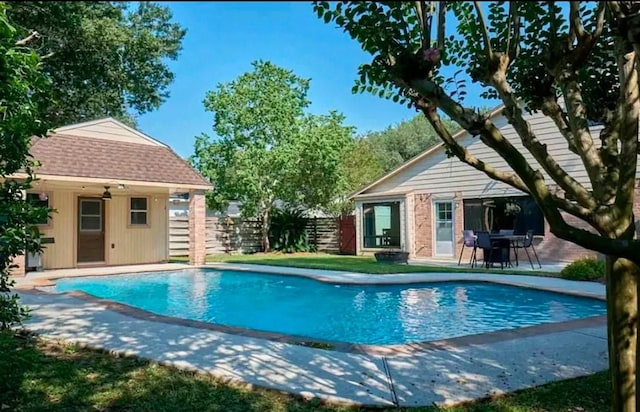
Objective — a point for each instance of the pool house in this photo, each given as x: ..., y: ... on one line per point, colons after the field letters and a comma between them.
x: 110, y: 186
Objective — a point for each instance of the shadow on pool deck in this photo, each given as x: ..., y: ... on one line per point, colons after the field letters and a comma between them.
x: 445, y: 375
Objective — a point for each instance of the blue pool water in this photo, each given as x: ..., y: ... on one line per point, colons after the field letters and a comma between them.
x: 374, y: 314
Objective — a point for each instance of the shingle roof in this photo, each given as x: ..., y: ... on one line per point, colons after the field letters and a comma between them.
x: 64, y: 155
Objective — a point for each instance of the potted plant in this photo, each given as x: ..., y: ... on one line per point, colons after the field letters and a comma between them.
x: 392, y: 256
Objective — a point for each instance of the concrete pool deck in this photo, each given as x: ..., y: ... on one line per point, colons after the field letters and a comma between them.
x: 450, y: 372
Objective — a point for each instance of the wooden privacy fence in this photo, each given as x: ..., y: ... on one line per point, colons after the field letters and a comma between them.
x: 228, y: 235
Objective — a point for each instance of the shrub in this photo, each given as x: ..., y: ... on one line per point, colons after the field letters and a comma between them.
x: 288, y: 232
x: 584, y: 269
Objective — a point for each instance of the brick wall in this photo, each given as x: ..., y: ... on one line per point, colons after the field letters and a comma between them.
x: 552, y: 249
x: 197, y: 228
x: 422, y: 225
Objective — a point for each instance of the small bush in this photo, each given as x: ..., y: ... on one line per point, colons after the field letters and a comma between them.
x: 584, y: 269
x: 288, y: 232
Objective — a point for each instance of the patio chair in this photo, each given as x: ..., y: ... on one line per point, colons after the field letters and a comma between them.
x: 506, y: 232
x: 491, y: 251
x: 527, y: 244
x: 468, y: 240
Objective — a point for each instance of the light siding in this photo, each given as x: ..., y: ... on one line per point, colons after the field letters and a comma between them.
x: 136, y: 244
x: 60, y: 254
x: 131, y: 244
x: 107, y: 129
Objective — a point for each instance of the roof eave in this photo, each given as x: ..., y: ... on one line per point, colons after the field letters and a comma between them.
x: 81, y: 179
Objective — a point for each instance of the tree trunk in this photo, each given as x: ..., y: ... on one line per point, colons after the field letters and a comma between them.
x: 622, y: 316
x: 266, y: 224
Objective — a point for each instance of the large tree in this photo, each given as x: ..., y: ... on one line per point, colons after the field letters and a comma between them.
x: 104, y: 58
x: 268, y: 149
x: 576, y: 63
x: 23, y: 87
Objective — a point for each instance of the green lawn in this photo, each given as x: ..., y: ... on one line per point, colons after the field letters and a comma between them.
x: 40, y: 376
x: 364, y: 264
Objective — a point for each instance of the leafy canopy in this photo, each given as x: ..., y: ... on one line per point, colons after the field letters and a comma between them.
x: 22, y: 88
x: 104, y: 58
x: 268, y: 148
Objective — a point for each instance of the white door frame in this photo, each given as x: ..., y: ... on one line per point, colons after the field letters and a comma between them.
x: 434, y: 221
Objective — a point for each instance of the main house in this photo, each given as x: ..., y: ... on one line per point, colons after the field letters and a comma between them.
x: 110, y: 186
x: 423, y: 206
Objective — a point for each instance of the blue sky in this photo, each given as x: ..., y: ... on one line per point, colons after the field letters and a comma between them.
x: 222, y: 40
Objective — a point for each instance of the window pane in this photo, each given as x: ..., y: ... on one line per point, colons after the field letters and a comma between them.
x: 90, y: 223
x: 138, y: 203
x: 90, y: 207
x: 381, y: 224
x: 518, y: 213
x: 473, y: 215
x: 138, y: 218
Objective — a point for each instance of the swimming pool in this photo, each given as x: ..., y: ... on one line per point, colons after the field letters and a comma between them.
x: 362, y: 314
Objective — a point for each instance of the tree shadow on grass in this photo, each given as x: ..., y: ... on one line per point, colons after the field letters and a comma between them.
x: 45, y: 376
x: 41, y: 376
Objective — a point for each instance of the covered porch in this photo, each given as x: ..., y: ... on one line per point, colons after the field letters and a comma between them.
x: 98, y: 223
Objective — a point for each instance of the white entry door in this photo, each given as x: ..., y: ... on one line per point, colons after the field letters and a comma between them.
x: 443, y: 228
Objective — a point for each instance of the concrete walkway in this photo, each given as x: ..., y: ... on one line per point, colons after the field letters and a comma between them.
x: 441, y: 374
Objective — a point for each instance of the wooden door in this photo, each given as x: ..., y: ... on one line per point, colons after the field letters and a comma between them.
x: 90, y: 230
x: 347, y: 227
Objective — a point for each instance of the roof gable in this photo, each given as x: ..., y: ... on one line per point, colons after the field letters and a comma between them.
x: 495, y: 115
x: 108, y: 129
x: 108, y: 149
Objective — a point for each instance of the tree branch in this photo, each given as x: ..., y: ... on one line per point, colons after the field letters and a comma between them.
x: 577, y: 113
x: 625, y: 248
x: 442, y: 11
x: 421, y: 11
x: 513, y: 112
x: 575, y: 210
x: 628, y: 115
x: 513, y: 49
x: 464, y: 155
x: 33, y: 36
x: 600, y: 19
x: 485, y: 31
x: 609, y: 137
x: 552, y: 110
x: 576, y: 30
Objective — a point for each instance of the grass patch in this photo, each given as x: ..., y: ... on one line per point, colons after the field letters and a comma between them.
x: 363, y: 264
x: 43, y: 376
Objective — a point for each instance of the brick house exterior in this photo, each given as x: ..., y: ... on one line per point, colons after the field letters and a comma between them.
x: 433, y: 191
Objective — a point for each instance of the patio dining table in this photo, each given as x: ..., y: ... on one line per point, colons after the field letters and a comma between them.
x: 510, y: 242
